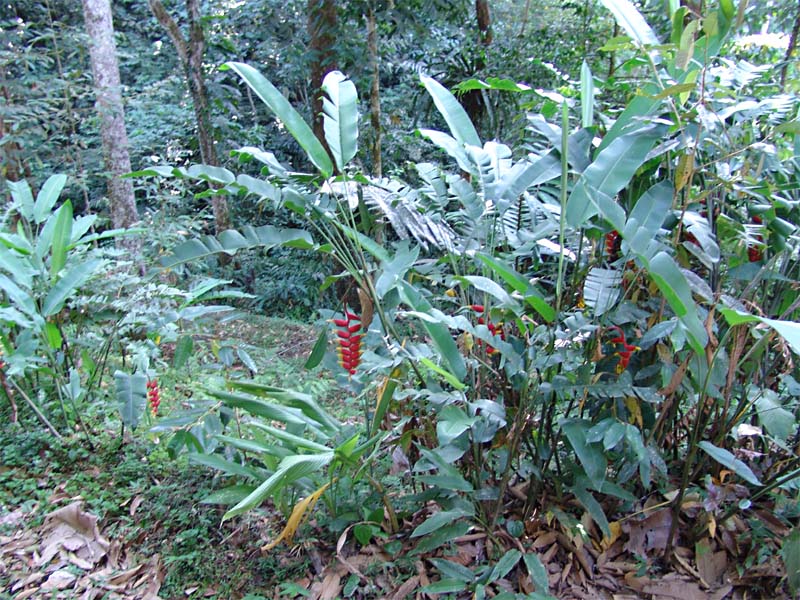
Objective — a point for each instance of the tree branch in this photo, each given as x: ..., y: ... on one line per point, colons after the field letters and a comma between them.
x: 172, y: 29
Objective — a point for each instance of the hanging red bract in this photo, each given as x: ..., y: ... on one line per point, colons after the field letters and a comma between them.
x: 494, y: 328
x: 627, y: 349
x: 153, y: 396
x: 348, y: 335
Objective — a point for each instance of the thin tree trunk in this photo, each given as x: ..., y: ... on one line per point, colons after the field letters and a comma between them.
x: 374, y: 93
x: 321, y: 29
x: 790, y: 48
x: 190, y: 52
x: 473, y: 100
x: 105, y: 71
x: 525, y: 14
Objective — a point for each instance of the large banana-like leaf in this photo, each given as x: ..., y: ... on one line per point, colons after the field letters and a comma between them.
x: 47, y: 197
x: 611, y: 171
x: 23, y: 198
x: 452, y: 146
x: 291, y: 119
x: 454, y: 114
x: 231, y: 240
x: 67, y: 285
x: 131, y: 393
x: 340, y: 118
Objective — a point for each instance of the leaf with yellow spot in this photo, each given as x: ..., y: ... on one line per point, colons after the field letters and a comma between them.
x: 635, y: 411
x: 296, y: 518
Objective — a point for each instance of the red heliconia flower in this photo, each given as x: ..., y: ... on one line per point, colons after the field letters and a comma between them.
x: 613, y: 245
x: 153, y: 396
x: 627, y: 349
x: 349, y: 349
x: 494, y: 328
x: 754, y: 252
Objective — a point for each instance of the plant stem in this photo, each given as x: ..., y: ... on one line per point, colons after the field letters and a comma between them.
x: 562, y: 217
x: 35, y: 409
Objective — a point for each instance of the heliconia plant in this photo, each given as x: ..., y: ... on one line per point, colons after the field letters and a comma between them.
x: 348, y: 337
x: 153, y: 397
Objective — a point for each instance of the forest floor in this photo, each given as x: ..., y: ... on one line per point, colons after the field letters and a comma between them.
x: 124, y: 520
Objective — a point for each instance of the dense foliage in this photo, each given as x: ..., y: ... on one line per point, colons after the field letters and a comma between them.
x: 570, y: 308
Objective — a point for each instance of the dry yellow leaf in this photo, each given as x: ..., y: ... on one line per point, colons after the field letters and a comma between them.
x: 296, y: 518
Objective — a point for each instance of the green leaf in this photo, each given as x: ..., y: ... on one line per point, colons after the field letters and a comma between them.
x: 20, y: 269
x: 131, y: 394
x: 232, y: 494
x: 453, y: 148
x: 507, y: 562
x: 650, y: 210
x: 62, y: 233
x: 442, y: 536
x: 537, y: 572
x: 23, y: 198
x: 601, y: 289
x: 640, y: 106
x: 437, y: 521
x: 726, y: 459
x: 611, y: 171
x: 454, y: 114
x: 632, y: 21
x: 214, y: 461
x: 303, y: 402
x: 448, y: 376
x: 778, y: 421
x: 67, y: 285
x: 183, y: 350
x: 211, y: 174
x: 519, y: 284
x: 289, y: 470
x: 593, y: 507
x: 789, y: 330
x: 440, y: 335
x: 53, y: 335
x: 452, y: 570
x: 290, y: 118
x: 451, y: 423
x: 445, y: 586
x: 672, y: 283
x: 587, y: 95
x: 790, y: 552
x: 590, y: 456
x: 293, y: 441
x: 231, y: 241
x: 260, y: 408
x: 318, y: 352
x: 395, y: 270
x: 47, y: 197
x: 486, y: 285
x: 340, y: 117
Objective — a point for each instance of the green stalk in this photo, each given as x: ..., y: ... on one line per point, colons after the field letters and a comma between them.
x: 562, y: 217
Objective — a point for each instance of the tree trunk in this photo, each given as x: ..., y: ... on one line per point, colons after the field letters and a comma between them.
x: 105, y: 71
x: 321, y: 30
x: 484, y: 21
x: 473, y: 100
x: 374, y: 93
x: 190, y: 54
